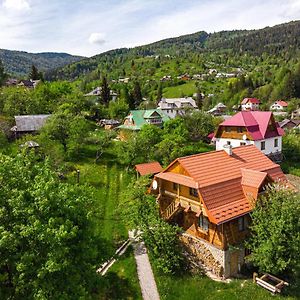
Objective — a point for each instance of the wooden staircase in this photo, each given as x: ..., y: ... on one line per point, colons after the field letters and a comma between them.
x: 170, y: 210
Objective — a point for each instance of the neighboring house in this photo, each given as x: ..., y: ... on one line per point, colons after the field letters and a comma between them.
x: 250, y: 104
x: 151, y: 168
x: 11, y: 82
x: 124, y: 80
x: 97, y: 92
x: 218, y: 110
x: 174, y: 107
x: 184, y: 77
x: 30, y: 84
x: 279, y: 105
x: 211, y: 195
x: 29, y: 124
x: 166, y: 78
x: 26, y: 83
x: 108, y: 124
x: 289, y: 124
x: 137, y: 118
x: 251, y: 127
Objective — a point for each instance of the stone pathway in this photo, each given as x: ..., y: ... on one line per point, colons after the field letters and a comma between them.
x: 144, y: 270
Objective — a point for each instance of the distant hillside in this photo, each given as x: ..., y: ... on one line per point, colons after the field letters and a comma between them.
x: 19, y: 63
x: 281, y: 40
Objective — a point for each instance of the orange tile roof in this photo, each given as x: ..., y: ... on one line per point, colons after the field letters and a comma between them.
x: 178, y: 178
x: 220, y: 178
x: 253, y: 178
x: 149, y: 168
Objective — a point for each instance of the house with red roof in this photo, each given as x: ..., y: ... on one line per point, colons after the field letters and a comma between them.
x: 257, y: 128
x: 210, y: 195
x: 250, y: 104
x: 148, y: 168
x: 279, y: 105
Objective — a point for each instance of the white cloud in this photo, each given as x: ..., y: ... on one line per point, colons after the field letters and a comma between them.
x: 97, y: 38
x: 16, y: 5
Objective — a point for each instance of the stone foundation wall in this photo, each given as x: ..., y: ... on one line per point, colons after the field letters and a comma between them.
x: 215, y: 260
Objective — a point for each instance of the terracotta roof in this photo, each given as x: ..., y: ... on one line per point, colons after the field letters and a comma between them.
x: 253, y: 178
x: 219, y: 178
x: 231, y: 211
x: 282, y: 103
x: 178, y: 178
x: 149, y: 168
x: 256, y: 123
x: 251, y: 100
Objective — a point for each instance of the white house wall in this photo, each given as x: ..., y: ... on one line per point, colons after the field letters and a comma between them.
x: 269, y: 144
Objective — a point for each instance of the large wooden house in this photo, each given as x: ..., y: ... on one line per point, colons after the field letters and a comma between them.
x: 258, y: 128
x: 210, y: 196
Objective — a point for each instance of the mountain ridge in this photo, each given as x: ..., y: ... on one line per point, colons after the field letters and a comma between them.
x: 18, y: 63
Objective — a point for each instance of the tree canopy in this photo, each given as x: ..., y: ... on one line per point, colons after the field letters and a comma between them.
x: 49, y: 248
x: 275, y: 232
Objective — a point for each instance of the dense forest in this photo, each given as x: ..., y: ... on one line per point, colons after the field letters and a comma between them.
x: 18, y: 63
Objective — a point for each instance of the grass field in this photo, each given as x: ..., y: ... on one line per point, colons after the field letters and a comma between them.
x: 196, y: 287
x: 110, y: 180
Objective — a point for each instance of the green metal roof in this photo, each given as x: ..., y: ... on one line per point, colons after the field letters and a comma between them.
x: 139, y: 118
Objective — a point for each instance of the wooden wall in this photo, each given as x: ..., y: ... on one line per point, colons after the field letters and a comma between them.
x: 233, y: 134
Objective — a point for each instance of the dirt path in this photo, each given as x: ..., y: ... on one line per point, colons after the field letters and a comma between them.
x: 144, y: 270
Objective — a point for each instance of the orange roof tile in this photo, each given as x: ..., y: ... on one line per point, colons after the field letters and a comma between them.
x: 253, y: 178
x: 178, y: 178
x: 149, y: 168
x: 219, y: 178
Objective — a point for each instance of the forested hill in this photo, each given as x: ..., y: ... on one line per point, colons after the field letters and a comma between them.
x: 281, y: 40
x: 18, y: 63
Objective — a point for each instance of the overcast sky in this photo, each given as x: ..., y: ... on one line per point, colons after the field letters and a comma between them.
x: 89, y: 27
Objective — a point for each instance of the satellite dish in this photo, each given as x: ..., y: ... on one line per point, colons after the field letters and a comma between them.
x: 154, y: 185
x: 244, y: 137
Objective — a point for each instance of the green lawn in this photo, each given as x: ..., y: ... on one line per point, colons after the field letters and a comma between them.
x: 187, y: 89
x: 121, y: 281
x: 198, y: 287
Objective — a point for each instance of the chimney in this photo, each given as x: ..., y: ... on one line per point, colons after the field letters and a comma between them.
x: 228, y: 149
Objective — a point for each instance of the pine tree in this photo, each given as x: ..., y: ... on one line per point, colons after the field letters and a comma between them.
x: 34, y: 74
x: 159, y: 93
x: 105, y: 91
x: 2, y: 73
x: 137, y: 94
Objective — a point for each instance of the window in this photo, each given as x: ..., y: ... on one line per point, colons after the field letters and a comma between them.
x: 276, y: 143
x: 203, y: 223
x: 263, y: 146
x: 240, y: 129
x: 193, y: 192
x: 228, y: 143
x: 175, y: 186
x: 227, y: 129
x: 242, y: 144
x: 241, y: 224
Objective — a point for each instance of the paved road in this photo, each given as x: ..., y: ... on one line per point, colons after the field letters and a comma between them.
x: 145, y: 274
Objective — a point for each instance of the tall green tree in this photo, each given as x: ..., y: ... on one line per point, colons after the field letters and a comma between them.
x: 140, y: 211
x: 67, y: 129
x: 34, y: 73
x: 3, y: 75
x: 105, y: 91
x: 49, y: 248
x: 275, y: 232
x: 159, y: 93
x: 137, y: 94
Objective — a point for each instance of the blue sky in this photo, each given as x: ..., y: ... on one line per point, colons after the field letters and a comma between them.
x: 92, y: 26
